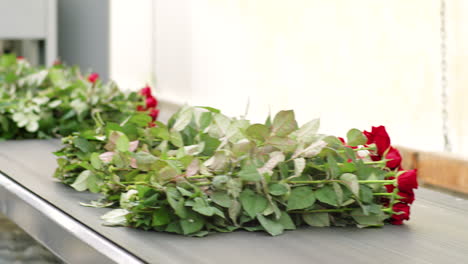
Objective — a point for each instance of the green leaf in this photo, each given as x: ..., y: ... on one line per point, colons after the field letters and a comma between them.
x: 327, y: 195
x: 339, y: 193
x: 277, y: 189
x: 368, y: 220
x: 174, y: 227
x: 274, y: 228
x: 286, y: 221
x: 140, y: 120
x: 211, y: 109
x: 84, y: 145
x: 221, y: 198
x: 308, y: 131
x: 284, y: 123
x: 283, y: 143
x: 183, y: 119
x: 333, y: 166
x: 299, y: 166
x: 252, y: 202
x: 250, y: 173
x: 122, y: 144
x: 160, y: 132
x: 81, y: 182
x: 356, y: 137
x: 317, y: 219
x: 192, y: 224
x: 365, y: 194
x: 201, y: 206
x: 300, y: 198
x: 161, y: 216
x: 211, y: 144
x: 145, y: 160
x: 351, y: 181
x: 234, y: 211
x: 176, y: 201
x: 92, y: 183
x: 95, y: 161
x: 205, y: 120
x: 176, y: 139
x: 257, y: 132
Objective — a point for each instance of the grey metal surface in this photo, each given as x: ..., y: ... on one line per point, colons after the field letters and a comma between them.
x: 437, y: 232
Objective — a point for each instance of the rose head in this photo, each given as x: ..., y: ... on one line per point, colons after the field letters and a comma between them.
x: 394, y: 158
x: 154, y: 113
x: 407, y: 197
x: 93, y: 77
x: 379, y: 136
x: 151, y: 102
x: 390, y: 187
x: 403, y: 211
x: 146, y: 91
x: 140, y: 108
x: 408, y: 181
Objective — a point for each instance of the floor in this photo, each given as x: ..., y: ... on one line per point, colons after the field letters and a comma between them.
x: 17, y: 247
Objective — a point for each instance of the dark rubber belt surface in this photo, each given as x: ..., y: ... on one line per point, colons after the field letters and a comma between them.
x: 437, y: 232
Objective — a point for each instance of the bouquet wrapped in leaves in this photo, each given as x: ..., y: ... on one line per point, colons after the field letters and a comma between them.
x: 204, y: 172
x: 39, y: 102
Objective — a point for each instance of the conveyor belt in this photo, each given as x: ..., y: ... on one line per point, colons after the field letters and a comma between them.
x: 50, y: 212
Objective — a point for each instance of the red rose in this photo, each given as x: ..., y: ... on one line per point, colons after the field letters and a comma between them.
x: 407, y: 197
x: 141, y: 108
x: 380, y: 137
x: 151, y: 102
x: 390, y: 187
x: 20, y: 58
x: 408, y: 181
x: 404, y: 213
x: 394, y: 158
x: 146, y: 91
x: 93, y: 77
x: 152, y: 124
x: 154, y: 113
x: 370, y: 137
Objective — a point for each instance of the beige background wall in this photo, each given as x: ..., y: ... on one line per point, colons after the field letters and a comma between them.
x: 354, y: 63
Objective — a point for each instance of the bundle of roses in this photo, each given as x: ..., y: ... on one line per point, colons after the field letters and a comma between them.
x: 204, y: 172
x: 39, y: 102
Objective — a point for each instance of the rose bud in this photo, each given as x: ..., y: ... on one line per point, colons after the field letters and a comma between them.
x: 408, y: 181
x: 394, y: 158
x: 380, y: 137
x: 390, y: 187
x: 154, y: 113
x: 407, y: 197
x: 404, y: 210
x: 93, y: 77
x: 146, y: 91
x: 151, y: 102
x: 141, y: 108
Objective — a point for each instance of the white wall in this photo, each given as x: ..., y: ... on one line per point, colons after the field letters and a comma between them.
x: 353, y: 63
x: 131, y: 42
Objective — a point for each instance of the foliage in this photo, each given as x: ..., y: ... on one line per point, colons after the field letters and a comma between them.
x: 205, y: 172
x: 39, y: 102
